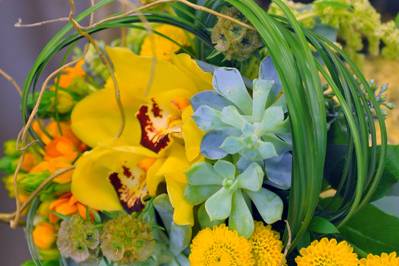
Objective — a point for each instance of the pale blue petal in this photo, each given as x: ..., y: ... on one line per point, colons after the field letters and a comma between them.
x: 229, y: 83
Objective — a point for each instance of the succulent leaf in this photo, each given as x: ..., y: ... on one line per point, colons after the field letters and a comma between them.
x: 225, y: 169
x: 241, y: 218
x: 209, y: 98
x: 269, y: 204
x: 261, y: 91
x: 267, y: 71
x: 218, y: 206
x: 229, y: 84
x: 252, y: 178
x: 204, y: 174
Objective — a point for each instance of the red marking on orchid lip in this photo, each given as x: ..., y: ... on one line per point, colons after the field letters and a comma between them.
x: 147, y: 126
x: 126, y: 171
x: 120, y: 189
x: 156, y: 111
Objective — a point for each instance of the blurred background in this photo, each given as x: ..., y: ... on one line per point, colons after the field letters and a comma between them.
x: 18, y: 49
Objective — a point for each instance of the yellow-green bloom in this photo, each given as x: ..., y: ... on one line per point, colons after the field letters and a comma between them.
x: 158, y: 127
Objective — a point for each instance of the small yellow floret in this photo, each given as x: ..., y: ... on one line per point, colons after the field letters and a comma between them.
x: 383, y: 260
x: 266, y: 246
x: 220, y: 246
x: 327, y: 253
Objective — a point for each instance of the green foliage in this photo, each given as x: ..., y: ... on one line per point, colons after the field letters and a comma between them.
x: 354, y: 21
x: 322, y: 226
x: 373, y: 231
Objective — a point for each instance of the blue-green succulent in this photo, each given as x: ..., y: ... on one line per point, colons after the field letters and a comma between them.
x: 227, y: 194
x: 255, y: 128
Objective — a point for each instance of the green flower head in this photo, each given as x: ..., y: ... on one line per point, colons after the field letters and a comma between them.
x: 78, y: 239
x: 127, y: 239
x: 226, y: 194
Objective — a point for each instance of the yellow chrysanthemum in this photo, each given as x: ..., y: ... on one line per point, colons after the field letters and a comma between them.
x: 327, y: 253
x: 266, y: 246
x: 383, y: 260
x: 164, y: 48
x: 220, y: 246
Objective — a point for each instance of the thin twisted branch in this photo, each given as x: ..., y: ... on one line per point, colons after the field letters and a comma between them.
x: 11, y: 80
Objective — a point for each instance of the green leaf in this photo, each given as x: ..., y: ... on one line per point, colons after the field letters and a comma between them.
x: 179, y: 238
x: 322, y: 226
x: 203, y: 174
x: 225, y: 169
x: 397, y: 20
x: 268, y: 204
x: 391, y: 172
x: 252, y: 178
x: 241, y: 218
x: 373, y: 231
x: 198, y: 194
x: 218, y: 206
x: 204, y: 220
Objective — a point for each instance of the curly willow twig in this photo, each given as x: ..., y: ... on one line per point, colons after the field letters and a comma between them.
x: 11, y: 80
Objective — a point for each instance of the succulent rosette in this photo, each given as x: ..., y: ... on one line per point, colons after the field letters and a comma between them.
x: 256, y: 129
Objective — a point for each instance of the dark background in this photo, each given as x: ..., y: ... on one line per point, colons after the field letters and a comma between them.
x: 18, y: 49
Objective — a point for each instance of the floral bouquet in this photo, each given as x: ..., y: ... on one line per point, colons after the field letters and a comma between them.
x: 210, y: 133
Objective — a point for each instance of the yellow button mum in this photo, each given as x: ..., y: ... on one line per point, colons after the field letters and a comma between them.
x: 266, y: 246
x: 327, y: 253
x: 220, y: 246
x: 383, y: 260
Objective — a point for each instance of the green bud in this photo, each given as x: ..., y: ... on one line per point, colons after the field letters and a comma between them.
x: 10, y: 148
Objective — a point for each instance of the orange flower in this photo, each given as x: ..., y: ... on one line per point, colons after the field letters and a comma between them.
x: 68, y: 205
x: 29, y: 161
x: 61, y: 147
x: 54, y: 130
x: 71, y: 73
x: 52, y: 165
x: 44, y: 235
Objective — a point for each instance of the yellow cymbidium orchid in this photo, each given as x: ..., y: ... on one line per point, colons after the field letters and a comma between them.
x: 159, y: 129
